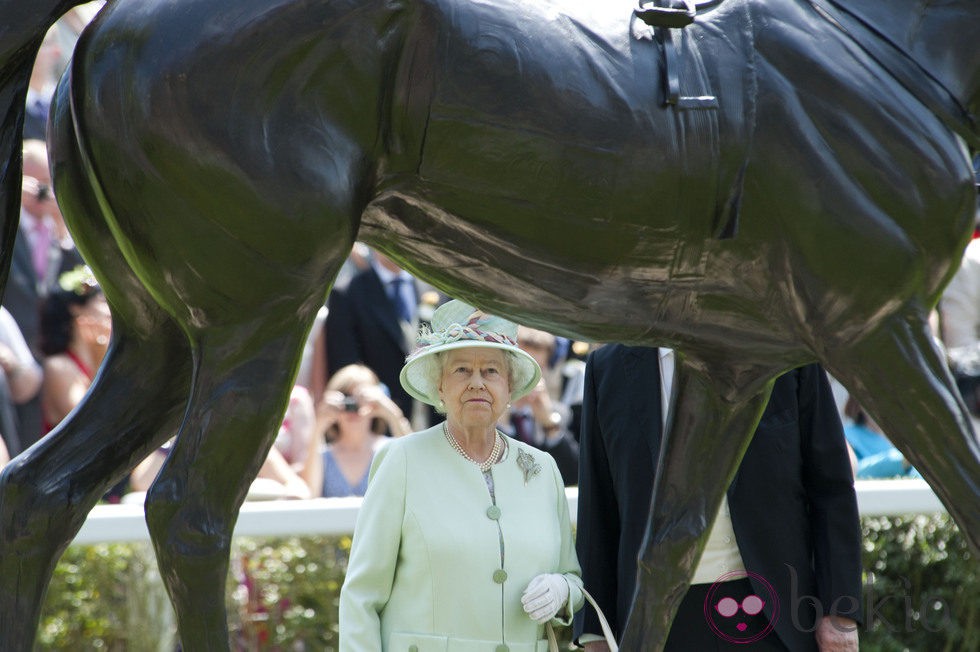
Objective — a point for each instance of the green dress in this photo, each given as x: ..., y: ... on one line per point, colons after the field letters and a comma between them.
x: 438, y: 563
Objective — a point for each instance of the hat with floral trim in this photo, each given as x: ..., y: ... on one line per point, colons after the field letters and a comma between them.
x: 456, y: 325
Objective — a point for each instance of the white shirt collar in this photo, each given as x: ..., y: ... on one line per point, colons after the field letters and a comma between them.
x: 29, y: 219
x: 666, y: 381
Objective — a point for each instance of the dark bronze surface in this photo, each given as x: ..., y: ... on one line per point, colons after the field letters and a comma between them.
x: 775, y: 183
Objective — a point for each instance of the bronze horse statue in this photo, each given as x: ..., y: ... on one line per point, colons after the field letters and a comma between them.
x: 759, y: 184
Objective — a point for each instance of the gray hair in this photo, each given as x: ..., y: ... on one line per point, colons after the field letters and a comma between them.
x: 432, y: 366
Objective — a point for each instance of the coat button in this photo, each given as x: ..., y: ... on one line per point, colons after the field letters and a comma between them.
x: 500, y: 576
x: 413, y: 648
x: 503, y: 648
x: 493, y: 512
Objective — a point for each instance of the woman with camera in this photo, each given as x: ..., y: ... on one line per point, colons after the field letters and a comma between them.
x: 353, y: 418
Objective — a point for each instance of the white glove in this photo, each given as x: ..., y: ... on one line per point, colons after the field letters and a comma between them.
x: 545, y: 596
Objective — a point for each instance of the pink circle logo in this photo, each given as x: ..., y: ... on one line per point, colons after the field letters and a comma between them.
x: 732, y: 618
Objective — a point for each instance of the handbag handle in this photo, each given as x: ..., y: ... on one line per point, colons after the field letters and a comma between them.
x: 603, y: 623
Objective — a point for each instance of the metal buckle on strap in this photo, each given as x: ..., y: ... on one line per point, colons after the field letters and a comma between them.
x: 677, y: 13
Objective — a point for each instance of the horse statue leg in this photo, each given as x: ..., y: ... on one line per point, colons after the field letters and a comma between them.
x: 134, y: 404
x: 708, y: 429
x: 127, y: 414
x: 22, y: 29
x: 192, y: 507
x: 899, y: 374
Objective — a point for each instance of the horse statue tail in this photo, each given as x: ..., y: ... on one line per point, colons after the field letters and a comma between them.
x: 22, y: 30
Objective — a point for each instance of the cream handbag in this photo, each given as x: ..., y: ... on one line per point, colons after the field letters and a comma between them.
x: 606, y: 629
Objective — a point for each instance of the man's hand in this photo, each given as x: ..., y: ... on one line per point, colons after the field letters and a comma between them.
x: 837, y: 634
x: 597, y: 646
x: 539, y: 401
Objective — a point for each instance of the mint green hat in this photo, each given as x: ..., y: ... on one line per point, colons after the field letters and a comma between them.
x: 457, y: 325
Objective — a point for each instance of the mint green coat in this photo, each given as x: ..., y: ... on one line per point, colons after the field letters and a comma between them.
x: 425, y: 569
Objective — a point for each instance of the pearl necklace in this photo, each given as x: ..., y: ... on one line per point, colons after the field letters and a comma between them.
x: 485, y: 465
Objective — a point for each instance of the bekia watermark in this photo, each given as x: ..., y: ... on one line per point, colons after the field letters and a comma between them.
x: 741, y: 618
x: 745, y: 618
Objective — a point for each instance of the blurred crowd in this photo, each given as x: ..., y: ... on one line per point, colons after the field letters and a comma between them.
x: 347, y: 401
x: 55, y: 328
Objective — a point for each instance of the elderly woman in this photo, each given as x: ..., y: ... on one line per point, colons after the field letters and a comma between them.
x: 463, y: 541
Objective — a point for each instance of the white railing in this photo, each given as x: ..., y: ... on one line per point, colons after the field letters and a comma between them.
x: 333, y: 516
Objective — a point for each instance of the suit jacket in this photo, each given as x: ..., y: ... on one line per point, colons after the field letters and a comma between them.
x: 563, y: 449
x: 792, y: 501
x: 22, y: 297
x: 25, y: 291
x: 435, y: 564
x: 36, y: 120
x: 363, y: 327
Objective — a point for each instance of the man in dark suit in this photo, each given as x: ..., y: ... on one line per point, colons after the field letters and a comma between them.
x: 373, y: 320
x: 42, y: 252
x: 781, y: 566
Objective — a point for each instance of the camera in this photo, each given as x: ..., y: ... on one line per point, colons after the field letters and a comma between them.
x: 351, y: 404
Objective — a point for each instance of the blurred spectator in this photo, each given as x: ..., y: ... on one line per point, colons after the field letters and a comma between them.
x: 75, y: 330
x: 43, y: 249
x: 573, y: 383
x: 959, y: 308
x: 959, y: 316
x: 40, y: 89
x: 352, y: 417
x: 298, y: 428
x: 4, y: 455
x: 357, y: 261
x: 875, y: 455
x: 538, y: 419
x: 22, y: 371
x: 279, y: 476
x: 21, y: 378
x: 544, y: 348
x: 42, y: 252
x: 312, y: 372
x: 313, y: 369
x: 146, y: 471
x: 373, y: 320
x: 275, y: 480
x: 49, y: 64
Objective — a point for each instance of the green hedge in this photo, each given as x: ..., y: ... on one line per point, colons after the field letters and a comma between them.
x: 922, y: 586
x: 922, y: 592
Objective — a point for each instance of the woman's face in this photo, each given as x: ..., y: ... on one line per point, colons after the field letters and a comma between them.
x: 94, y: 321
x: 475, y: 385
x: 357, y: 404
